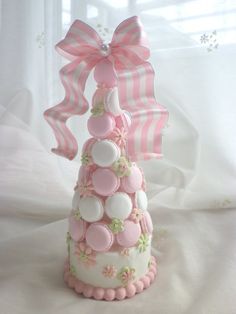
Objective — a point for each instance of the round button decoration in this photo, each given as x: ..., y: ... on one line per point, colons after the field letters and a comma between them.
x: 99, y: 237
x: 141, y: 200
x: 105, y: 152
x: 105, y: 182
x: 101, y: 126
x: 119, y: 205
x: 91, y: 208
x: 77, y: 228
x: 130, y: 235
x: 133, y: 182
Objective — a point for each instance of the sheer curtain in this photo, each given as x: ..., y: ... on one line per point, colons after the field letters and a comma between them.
x: 193, y: 50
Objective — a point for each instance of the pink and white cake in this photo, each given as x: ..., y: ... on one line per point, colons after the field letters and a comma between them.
x: 110, y: 228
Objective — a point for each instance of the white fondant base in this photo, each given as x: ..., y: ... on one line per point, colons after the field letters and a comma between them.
x: 93, y: 274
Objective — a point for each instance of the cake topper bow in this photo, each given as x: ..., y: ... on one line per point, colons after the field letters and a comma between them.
x: 128, y: 51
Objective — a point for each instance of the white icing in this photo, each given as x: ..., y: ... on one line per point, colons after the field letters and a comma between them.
x: 105, y: 152
x: 75, y: 200
x: 91, y: 208
x: 111, y: 102
x: 119, y: 205
x: 141, y: 200
x: 93, y: 274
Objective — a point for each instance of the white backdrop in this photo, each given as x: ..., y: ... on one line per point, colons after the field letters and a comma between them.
x: 191, y: 190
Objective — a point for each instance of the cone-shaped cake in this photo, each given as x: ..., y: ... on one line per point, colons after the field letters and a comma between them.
x: 110, y: 228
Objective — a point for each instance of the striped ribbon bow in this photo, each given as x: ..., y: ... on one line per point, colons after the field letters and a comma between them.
x: 128, y: 51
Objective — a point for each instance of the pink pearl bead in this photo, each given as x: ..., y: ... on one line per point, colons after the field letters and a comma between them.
x: 88, y: 291
x: 146, y: 281
x: 139, y: 286
x: 151, y: 275
x: 99, y: 293
x: 79, y: 286
x: 109, y: 294
x: 120, y: 293
x: 130, y: 290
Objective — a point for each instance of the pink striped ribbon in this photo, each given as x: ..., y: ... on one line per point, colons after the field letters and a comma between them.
x: 128, y: 51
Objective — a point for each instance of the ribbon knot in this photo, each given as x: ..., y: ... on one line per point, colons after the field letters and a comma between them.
x: 128, y: 52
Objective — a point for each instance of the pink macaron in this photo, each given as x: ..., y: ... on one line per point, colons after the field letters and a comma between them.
x: 99, y: 237
x: 146, y: 223
x: 101, y: 126
x: 77, y: 228
x: 87, y: 145
x: 133, y: 182
x: 84, y: 173
x: 130, y: 235
x: 105, y: 182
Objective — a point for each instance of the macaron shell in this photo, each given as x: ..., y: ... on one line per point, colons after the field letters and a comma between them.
x: 111, y: 102
x: 148, y: 221
x: 130, y: 235
x: 105, y: 182
x: 133, y: 182
x: 141, y: 200
x: 99, y: 237
x: 105, y: 153
x: 88, y: 144
x: 77, y: 228
x: 101, y: 126
x: 119, y: 205
x: 91, y: 208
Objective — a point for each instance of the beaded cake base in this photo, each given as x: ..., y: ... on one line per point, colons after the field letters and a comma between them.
x: 109, y: 294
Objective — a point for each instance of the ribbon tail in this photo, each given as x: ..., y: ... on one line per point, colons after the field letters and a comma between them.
x: 73, y: 77
x: 136, y: 95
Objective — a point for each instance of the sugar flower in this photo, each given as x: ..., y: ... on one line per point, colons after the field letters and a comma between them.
x: 126, y: 275
x: 109, y: 271
x: 77, y: 214
x: 86, y: 159
x: 142, y: 243
x: 124, y: 252
x: 72, y: 270
x: 85, y: 254
x: 121, y: 167
x: 136, y: 215
x: 68, y: 238
x: 116, y: 225
x: 85, y: 187
x: 98, y: 110
x: 119, y: 136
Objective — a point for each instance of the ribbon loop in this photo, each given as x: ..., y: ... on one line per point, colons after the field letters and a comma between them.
x: 128, y: 51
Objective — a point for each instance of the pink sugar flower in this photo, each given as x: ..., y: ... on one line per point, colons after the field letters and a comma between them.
x: 85, y: 188
x: 119, y: 136
x: 124, y: 252
x: 136, y: 215
x: 85, y: 254
x: 126, y: 275
x: 109, y: 271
